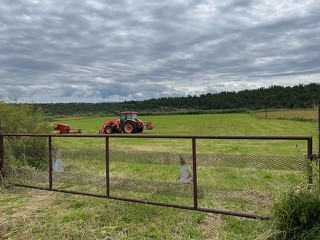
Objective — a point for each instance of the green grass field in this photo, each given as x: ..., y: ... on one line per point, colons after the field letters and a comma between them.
x: 228, y: 172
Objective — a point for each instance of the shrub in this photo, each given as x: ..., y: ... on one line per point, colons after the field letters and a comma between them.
x: 297, y: 214
x: 27, y: 151
x: 24, y: 118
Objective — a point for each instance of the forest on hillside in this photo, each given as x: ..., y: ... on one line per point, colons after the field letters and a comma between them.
x: 274, y: 97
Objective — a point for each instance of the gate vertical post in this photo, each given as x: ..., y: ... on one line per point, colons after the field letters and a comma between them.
x: 107, y: 153
x: 50, y: 162
x: 310, y: 174
x: 1, y: 156
x: 194, y: 174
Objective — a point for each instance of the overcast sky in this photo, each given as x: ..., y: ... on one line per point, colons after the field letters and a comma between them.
x: 102, y: 51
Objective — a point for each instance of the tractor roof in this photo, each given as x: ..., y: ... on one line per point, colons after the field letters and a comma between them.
x: 128, y: 112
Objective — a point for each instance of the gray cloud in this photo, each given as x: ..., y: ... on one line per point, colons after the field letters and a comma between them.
x: 93, y: 51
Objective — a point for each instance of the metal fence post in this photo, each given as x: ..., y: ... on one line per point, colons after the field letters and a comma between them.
x: 1, y: 156
x: 107, y: 167
x: 194, y: 174
x: 310, y: 157
x: 50, y: 162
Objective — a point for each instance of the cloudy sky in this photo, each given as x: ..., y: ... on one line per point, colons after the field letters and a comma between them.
x: 103, y: 50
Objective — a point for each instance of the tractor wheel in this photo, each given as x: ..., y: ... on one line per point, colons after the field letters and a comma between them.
x: 128, y: 127
x: 108, y: 129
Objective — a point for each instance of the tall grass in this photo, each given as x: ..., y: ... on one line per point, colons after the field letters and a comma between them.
x: 297, y: 215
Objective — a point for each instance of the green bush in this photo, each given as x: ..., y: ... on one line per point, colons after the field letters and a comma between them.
x: 24, y: 118
x: 297, y: 214
x: 27, y: 151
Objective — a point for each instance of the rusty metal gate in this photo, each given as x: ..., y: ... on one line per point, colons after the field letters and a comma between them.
x: 233, y: 175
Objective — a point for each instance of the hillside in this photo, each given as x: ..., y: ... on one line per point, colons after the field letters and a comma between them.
x: 274, y: 97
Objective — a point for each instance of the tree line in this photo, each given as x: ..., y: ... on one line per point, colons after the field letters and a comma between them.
x: 274, y: 97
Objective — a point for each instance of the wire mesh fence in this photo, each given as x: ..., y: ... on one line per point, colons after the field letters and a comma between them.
x: 239, y: 176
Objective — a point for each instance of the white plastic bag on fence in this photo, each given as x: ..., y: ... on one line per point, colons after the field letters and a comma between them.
x: 185, y: 176
x: 57, y: 163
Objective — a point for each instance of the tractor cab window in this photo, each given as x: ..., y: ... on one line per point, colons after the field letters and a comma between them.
x: 134, y: 116
x: 123, y: 117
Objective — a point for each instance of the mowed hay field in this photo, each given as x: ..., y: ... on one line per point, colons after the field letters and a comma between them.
x: 35, y: 214
x: 214, y: 124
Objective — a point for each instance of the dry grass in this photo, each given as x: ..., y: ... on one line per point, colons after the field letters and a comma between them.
x: 295, y: 114
x: 212, y: 225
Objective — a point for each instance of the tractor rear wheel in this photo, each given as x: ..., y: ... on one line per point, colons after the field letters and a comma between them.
x: 128, y: 127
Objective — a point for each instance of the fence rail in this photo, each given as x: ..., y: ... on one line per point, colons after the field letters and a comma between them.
x: 233, y: 175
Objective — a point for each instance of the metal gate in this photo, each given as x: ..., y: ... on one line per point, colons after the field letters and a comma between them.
x: 233, y: 175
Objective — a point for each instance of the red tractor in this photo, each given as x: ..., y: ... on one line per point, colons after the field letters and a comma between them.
x: 127, y: 123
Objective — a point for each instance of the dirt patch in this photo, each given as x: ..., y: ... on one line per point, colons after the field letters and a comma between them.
x: 211, y: 225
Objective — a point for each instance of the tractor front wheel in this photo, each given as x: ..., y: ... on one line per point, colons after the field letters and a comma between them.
x: 108, y: 129
x: 128, y: 128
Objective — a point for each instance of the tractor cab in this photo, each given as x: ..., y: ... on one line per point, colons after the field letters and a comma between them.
x: 128, y: 115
